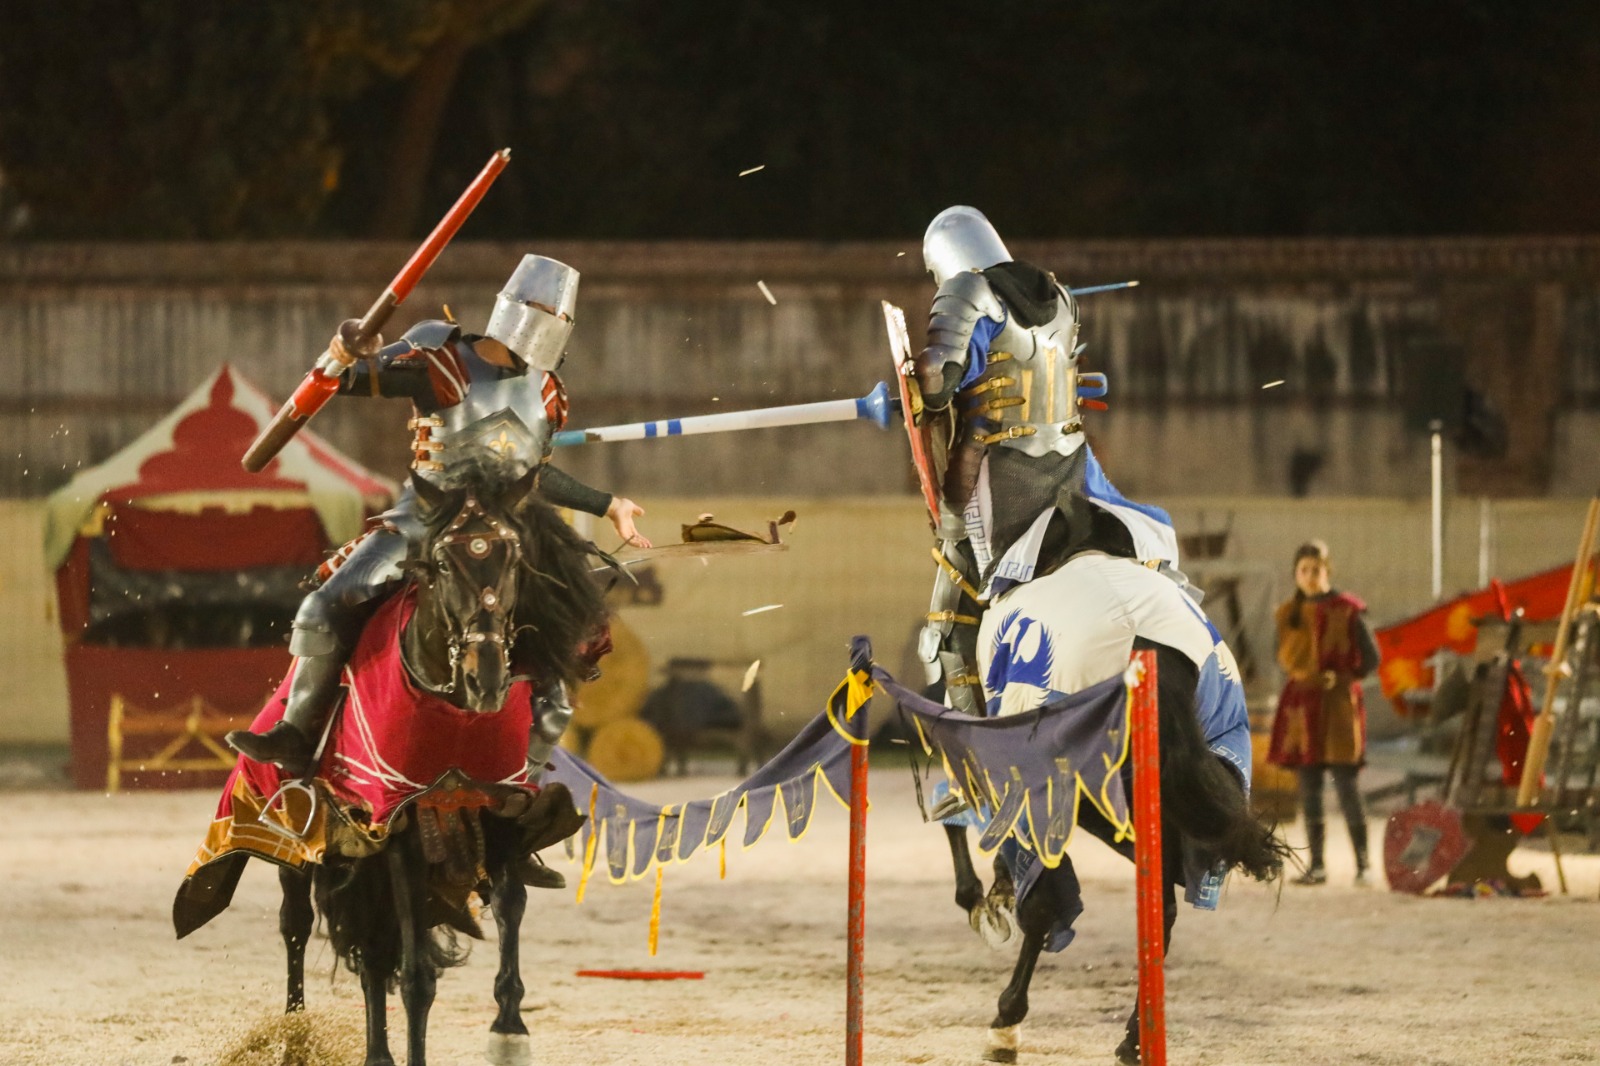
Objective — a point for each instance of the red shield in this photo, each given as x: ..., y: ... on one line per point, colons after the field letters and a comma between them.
x: 1422, y: 844
x: 911, y: 406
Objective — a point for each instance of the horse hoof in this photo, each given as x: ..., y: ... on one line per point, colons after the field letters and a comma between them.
x: 1002, y: 1044
x: 993, y: 923
x: 509, y: 1049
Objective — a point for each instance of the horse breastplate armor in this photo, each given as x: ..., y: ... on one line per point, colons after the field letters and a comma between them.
x: 499, y: 431
x: 1028, y: 392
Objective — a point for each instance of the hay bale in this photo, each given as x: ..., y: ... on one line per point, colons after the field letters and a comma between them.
x: 628, y: 749
x: 624, y: 682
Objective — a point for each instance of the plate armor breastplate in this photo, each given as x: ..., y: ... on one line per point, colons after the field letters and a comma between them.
x: 1027, y: 394
x: 498, y: 432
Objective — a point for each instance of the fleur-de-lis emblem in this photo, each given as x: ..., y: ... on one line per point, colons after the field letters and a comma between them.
x: 502, y: 445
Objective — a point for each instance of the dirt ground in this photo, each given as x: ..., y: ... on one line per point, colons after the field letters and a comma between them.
x: 92, y: 974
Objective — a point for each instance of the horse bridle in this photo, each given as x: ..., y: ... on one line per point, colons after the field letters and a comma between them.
x: 478, y: 545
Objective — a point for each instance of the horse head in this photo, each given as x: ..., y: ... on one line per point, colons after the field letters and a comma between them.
x: 467, y: 572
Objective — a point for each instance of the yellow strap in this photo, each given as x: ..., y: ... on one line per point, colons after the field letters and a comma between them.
x: 1009, y: 433
x: 998, y: 357
x: 997, y: 404
x: 951, y: 616
x: 964, y: 679
x: 988, y: 386
x: 955, y: 575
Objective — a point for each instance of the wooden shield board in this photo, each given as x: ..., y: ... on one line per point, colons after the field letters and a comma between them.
x: 911, y: 406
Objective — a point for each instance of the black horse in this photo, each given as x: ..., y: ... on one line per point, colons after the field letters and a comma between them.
x: 1206, y: 821
x: 502, y: 589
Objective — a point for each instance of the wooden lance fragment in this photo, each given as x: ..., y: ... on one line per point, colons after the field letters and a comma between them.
x: 1539, y: 743
x: 319, y: 386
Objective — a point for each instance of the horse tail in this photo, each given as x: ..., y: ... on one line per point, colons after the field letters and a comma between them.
x: 1202, y: 796
x: 356, y: 900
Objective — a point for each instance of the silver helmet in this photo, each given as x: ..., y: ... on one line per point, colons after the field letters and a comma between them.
x: 533, y: 315
x: 960, y: 239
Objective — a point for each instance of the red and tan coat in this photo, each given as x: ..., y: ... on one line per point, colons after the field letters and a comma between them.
x: 1319, y: 723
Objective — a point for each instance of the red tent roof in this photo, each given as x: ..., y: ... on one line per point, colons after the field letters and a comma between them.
x: 195, y: 450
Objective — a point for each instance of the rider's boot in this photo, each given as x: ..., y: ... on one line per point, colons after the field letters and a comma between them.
x: 531, y: 871
x: 291, y: 743
x: 1316, y: 873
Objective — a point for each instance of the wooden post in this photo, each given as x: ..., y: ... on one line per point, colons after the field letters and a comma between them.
x: 1144, y: 725
x: 114, y: 745
x: 1539, y: 742
x: 856, y: 925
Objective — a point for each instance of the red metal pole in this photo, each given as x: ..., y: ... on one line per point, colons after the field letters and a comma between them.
x: 856, y: 926
x: 1145, y: 727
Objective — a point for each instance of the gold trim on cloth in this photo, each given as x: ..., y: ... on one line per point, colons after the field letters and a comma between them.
x: 294, y: 832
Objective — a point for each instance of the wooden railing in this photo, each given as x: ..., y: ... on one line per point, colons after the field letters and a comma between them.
x: 200, y: 724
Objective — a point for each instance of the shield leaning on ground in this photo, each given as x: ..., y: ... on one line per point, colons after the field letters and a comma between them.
x: 1422, y: 844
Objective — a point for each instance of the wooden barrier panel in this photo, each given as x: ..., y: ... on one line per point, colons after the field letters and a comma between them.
x: 201, y: 726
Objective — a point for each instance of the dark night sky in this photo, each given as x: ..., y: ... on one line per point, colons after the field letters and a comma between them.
x: 632, y: 118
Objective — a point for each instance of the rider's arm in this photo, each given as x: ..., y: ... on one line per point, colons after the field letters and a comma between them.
x: 421, y: 366
x: 966, y: 316
x: 564, y: 490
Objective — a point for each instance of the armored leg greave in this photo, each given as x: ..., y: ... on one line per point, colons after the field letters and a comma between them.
x: 551, y: 713
x: 313, y: 691
x: 326, y: 628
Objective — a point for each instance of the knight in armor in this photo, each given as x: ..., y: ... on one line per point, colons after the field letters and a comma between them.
x: 1020, y: 487
x: 485, y: 408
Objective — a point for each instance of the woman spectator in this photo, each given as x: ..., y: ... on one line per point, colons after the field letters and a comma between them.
x: 1325, y: 647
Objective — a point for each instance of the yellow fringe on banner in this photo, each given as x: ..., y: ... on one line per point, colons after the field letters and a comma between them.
x: 722, y: 859
x: 588, y: 848
x: 655, y: 912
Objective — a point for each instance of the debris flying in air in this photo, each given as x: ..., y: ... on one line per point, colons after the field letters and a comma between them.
x: 761, y: 610
x: 750, y: 676
x: 771, y: 299
x: 752, y: 170
x: 1273, y: 384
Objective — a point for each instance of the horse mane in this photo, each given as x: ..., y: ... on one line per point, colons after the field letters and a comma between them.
x: 561, y: 607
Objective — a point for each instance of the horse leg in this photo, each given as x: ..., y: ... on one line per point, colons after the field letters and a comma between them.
x: 508, y: 1036
x: 295, y: 920
x: 374, y: 989
x: 1055, y: 894
x: 408, y: 879
x: 969, y: 890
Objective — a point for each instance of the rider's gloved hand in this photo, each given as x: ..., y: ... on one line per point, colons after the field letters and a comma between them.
x: 348, y: 345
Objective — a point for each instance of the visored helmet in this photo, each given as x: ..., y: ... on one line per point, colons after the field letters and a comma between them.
x: 960, y: 239
x: 533, y: 315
